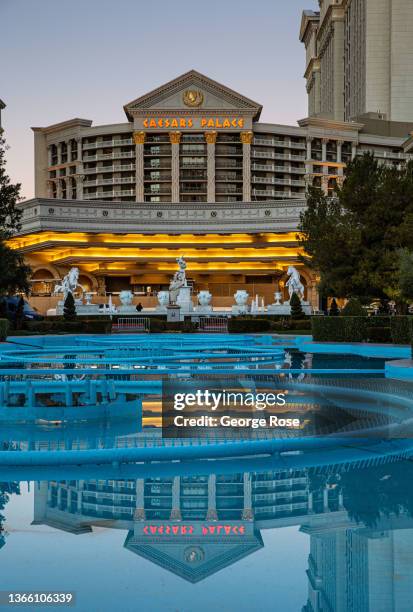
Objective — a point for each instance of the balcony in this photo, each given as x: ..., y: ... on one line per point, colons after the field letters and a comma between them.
x: 225, y: 177
x: 270, y: 193
x: 159, y: 191
x: 113, y: 155
x: 228, y: 151
x: 158, y: 152
x: 162, y: 177
x: 111, y: 181
x: 270, y: 180
x: 103, y: 169
x: 107, y: 143
x: 283, y: 169
x: 271, y: 142
x: 108, y: 194
x: 275, y: 155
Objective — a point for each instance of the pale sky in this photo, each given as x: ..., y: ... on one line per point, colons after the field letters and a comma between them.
x: 86, y: 58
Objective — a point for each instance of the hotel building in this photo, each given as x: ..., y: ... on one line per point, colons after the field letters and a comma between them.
x: 359, y: 55
x: 192, y: 171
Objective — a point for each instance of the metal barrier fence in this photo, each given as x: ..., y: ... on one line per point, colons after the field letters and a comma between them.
x: 213, y: 324
x: 128, y: 324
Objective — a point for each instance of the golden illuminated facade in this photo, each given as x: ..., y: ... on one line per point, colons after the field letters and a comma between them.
x: 191, y: 172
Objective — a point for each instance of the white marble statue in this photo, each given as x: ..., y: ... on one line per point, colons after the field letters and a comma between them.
x: 204, y: 298
x: 241, y: 298
x: 126, y: 297
x: 69, y: 283
x: 178, y: 281
x: 204, y: 301
x: 294, y: 283
x: 126, y: 305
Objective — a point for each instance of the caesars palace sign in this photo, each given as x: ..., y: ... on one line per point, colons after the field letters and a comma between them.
x: 193, y: 122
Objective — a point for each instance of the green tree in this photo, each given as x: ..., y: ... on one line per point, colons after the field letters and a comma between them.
x: 353, y: 308
x: 296, y: 308
x: 69, y: 308
x: 14, y: 273
x: 353, y: 240
x: 406, y: 275
x: 334, y: 311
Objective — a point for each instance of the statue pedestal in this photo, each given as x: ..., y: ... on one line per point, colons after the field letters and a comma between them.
x: 203, y: 309
x: 87, y: 309
x: 130, y: 310
x: 240, y: 310
x: 173, y: 313
x: 285, y: 309
x: 184, y: 299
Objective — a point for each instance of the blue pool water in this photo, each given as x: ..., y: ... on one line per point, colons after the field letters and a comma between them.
x: 94, y: 500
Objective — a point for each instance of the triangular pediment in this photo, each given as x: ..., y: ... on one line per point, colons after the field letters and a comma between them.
x: 190, y: 91
x: 194, y: 561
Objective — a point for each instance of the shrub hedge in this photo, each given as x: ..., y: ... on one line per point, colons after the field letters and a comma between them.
x: 79, y: 326
x: 4, y: 328
x: 380, y: 329
x: 237, y: 325
x: 401, y: 329
x: 338, y: 329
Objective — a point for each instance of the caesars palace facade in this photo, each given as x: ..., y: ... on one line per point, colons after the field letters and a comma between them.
x: 193, y: 171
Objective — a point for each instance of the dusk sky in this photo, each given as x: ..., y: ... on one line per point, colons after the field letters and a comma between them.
x: 75, y: 58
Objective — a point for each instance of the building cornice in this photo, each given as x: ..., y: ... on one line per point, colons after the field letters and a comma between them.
x: 43, y: 214
x: 329, y: 124
x: 63, y: 125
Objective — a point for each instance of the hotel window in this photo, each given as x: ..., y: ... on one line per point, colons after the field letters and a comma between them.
x: 64, y: 190
x: 155, y: 176
x: 53, y: 154
x: 155, y: 163
x: 155, y: 199
x: 74, y: 192
x: 154, y: 150
x: 73, y: 150
x: 63, y: 146
x: 155, y: 187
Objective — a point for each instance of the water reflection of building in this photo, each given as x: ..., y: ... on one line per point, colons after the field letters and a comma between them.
x: 360, y: 569
x: 221, y: 514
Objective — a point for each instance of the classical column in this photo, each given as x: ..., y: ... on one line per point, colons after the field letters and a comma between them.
x: 79, y: 149
x: 309, y: 151
x: 68, y: 188
x: 176, y: 499
x: 79, y: 186
x: 58, y: 188
x: 247, y: 513
x: 212, y: 501
x: 175, y: 138
x: 310, y: 502
x: 325, y: 500
x: 353, y: 150
x: 211, y: 138
x: 59, y: 152
x: 246, y: 139
x: 49, y: 155
x: 139, y: 140
x: 339, y: 146
x: 139, y: 514
x: 49, y: 189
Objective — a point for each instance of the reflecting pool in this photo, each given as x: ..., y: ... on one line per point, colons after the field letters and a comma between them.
x: 93, y: 500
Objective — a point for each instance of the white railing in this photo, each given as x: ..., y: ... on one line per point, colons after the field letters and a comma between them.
x: 101, y: 169
x: 114, y: 155
x: 213, y: 324
x: 111, y: 181
x: 272, y: 168
x: 107, y: 143
x: 128, y: 324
